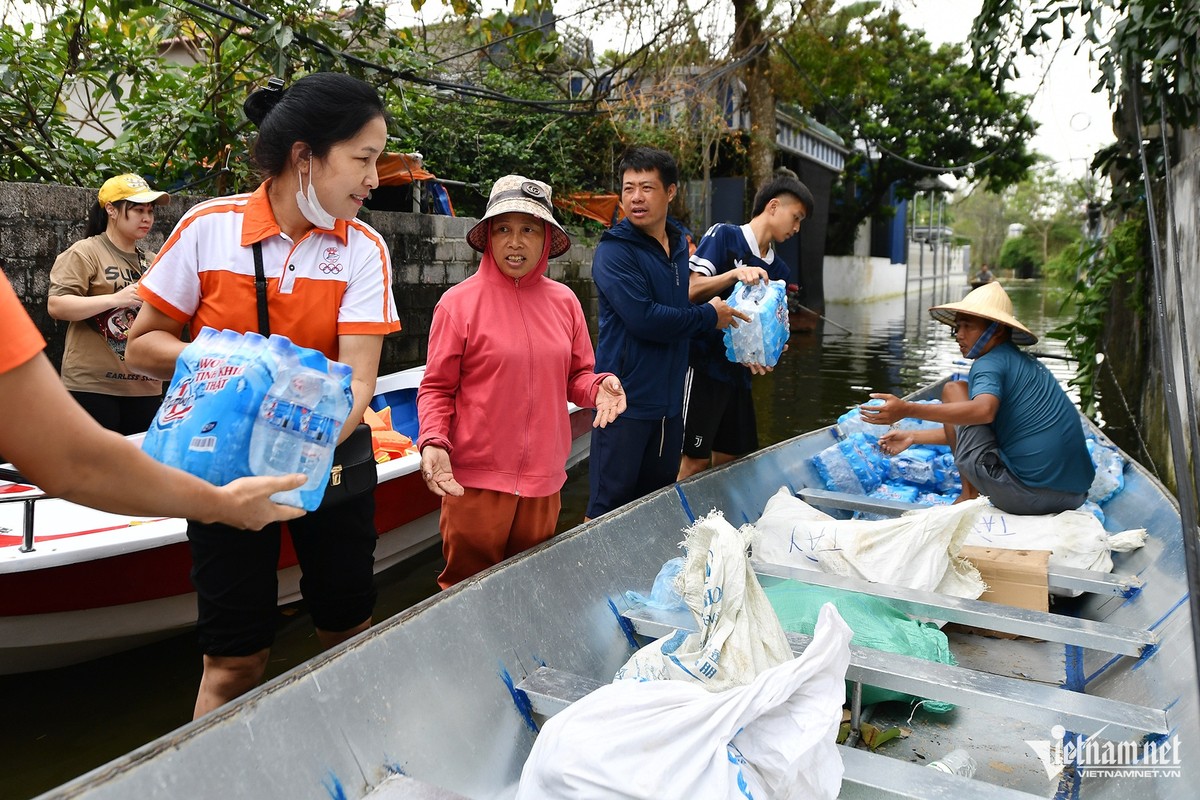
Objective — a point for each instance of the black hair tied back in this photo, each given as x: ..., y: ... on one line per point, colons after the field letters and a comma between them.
x: 262, y: 100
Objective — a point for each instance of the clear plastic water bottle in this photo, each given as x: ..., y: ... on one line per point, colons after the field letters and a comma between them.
x: 956, y: 762
x: 280, y: 442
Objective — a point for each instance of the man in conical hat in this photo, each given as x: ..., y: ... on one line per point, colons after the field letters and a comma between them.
x: 1015, y: 434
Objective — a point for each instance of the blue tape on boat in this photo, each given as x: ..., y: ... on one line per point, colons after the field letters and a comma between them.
x: 1074, y: 680
x: 1170, y: 611
x: 683, y: 501
x: 1100, y: 671
x: 1132, y: 592
x: 626, y: 625
x: 334, y: 787
x: 1147, y: 652
x: 520, y: 700
x: 1068, y: 783
x: 394, y: 768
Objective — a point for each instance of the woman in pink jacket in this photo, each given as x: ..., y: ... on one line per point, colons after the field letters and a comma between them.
x: 508, y: 348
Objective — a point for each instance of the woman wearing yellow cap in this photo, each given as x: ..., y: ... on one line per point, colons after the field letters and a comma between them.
x: 93, y: 286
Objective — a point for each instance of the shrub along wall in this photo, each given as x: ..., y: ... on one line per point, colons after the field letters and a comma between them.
x: 429, y: 255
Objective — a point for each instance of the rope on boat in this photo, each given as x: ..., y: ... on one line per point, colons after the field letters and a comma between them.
x: 1137, y: 430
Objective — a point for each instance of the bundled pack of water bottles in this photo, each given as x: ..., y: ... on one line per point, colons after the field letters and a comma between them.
x: 761, y: 340
x: 243, y: 404
x: 855, y: 464
x: 926, y: 474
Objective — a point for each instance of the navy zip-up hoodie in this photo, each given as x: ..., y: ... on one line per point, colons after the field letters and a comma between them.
x: 646, y: 320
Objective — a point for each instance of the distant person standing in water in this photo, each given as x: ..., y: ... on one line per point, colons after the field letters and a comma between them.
x: 94, y: 287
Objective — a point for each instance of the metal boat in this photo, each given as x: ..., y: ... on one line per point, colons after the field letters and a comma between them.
x: 446, y: 699
x: 79, y: 583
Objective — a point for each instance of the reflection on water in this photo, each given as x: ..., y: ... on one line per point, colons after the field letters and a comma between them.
x: 60, y: 724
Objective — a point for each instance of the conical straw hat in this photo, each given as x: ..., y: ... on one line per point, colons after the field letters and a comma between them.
x: 991, y: 302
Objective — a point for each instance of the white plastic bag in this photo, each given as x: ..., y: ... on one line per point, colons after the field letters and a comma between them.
x: 917, y: 550
x: 774, y: 738
x: 738, y: 633
x: 1074, y: 538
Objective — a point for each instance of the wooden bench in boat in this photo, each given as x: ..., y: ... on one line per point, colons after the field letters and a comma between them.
x: 1029, y: 701
x: 867, y: 774
x: 1065, y: 578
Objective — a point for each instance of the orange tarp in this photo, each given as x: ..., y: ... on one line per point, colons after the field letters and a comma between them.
x: 604, y: 208
x: 397, y: 169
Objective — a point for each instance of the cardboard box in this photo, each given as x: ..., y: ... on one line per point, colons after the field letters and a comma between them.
x: 1014, y: 578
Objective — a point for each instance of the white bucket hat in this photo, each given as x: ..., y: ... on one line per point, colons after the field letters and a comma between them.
x: 516, y: 193
x: 990, y: 302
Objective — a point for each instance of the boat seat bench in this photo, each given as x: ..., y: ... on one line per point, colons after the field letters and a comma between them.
x: 1065, y: 578
x: 1029, y: 701
x: 1087, y: 633
x: 867, y: 774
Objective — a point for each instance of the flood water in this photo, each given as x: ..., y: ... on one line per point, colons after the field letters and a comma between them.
x: 59, y: 724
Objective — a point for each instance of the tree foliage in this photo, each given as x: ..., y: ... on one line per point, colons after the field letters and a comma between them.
x: 916, y: 110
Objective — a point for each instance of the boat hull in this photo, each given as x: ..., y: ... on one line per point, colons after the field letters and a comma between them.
x: 430, y: 694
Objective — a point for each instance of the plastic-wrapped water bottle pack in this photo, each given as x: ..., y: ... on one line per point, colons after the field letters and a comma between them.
x: 242, y: 404
x: 761, y: 340
x: 926, y: 474
x: 921, y: 474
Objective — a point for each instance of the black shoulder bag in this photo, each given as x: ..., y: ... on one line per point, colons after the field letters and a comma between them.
x: 353, y: 472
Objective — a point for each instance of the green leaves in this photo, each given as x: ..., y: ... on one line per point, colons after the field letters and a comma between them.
x: 863, y: 73
x: 1102, y: 266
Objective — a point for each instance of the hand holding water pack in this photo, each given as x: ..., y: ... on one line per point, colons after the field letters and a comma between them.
x: 241, y: 404
x: 762, y: 339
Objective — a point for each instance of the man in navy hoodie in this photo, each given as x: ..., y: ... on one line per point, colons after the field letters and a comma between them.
x: 646, y: 323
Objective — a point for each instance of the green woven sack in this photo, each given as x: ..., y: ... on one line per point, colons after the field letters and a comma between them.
x: 875, y: 624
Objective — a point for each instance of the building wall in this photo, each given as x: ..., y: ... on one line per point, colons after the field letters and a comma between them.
x: 429, y: 255
x: 862, y: 279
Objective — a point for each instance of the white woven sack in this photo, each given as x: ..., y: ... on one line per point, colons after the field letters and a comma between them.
x: 738, y: 634
x: 773, y: 739
x: 917, y: 550
x: 1074, y: 538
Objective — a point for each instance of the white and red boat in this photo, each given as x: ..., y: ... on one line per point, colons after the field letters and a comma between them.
x: 96, y: 583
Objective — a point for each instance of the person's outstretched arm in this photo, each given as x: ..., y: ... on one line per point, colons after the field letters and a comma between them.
x: 58, y: 446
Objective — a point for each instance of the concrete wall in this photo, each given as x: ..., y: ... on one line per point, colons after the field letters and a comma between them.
x: 1181, y: 295
x: 862, y: 279
x: 429, y: 255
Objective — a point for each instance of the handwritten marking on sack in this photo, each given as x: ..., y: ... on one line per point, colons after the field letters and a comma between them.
x: 989, y: 526
x: 815, y: 539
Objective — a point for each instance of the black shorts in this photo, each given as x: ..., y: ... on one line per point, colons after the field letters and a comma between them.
x: 717, y: 416
x: 237, y: 591
x: 630, y: 458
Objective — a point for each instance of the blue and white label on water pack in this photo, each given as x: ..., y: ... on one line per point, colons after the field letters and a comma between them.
x: 242, y: 404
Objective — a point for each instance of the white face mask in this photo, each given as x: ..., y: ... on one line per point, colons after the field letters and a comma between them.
x: 308, y: 203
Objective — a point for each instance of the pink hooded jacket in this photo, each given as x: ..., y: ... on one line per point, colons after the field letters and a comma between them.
x: 505, y: 356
